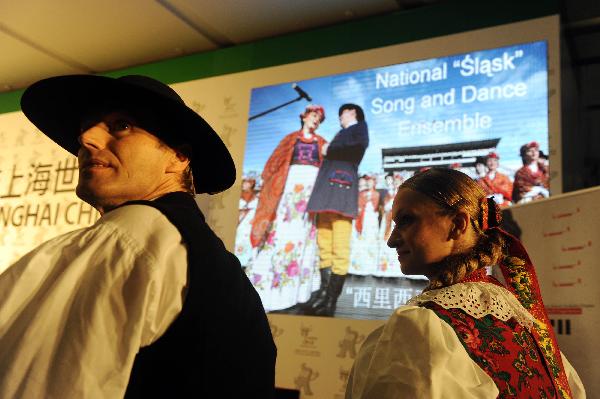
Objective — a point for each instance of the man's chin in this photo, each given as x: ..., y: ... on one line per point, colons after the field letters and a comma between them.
x: 90, y: 195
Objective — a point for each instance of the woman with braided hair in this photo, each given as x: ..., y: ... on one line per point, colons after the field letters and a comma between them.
x: 467, y: 335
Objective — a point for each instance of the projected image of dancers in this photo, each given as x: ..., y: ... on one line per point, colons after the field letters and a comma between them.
x: 315, y: 211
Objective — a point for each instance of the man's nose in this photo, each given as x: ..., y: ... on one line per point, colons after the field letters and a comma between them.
x: 394, y: 239
x: 94, y: 138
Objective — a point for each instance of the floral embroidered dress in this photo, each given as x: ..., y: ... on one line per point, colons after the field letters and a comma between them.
x: 468, y: 340
x: 243, y: 246
x: 387, y: 260
x: 285, y: 267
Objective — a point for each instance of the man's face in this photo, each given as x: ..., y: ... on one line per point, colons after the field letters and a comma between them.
x: 347, y: 117
x: 120, y: 162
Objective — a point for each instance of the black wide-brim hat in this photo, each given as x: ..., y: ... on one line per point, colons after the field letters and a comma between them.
x: 58, y: 105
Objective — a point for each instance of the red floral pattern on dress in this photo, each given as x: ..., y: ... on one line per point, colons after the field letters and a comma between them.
x: 506, y: 351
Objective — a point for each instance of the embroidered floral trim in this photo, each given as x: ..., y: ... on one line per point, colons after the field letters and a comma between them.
x: 478, y: 299
x: 520, y: 280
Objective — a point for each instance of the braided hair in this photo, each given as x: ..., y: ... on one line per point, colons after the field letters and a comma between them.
x: 454, y: 191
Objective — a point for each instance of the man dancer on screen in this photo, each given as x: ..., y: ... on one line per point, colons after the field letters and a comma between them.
x: 147, y: 302
x: 335, y: 202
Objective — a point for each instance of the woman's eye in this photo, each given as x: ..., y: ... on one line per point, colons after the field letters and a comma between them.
x: 403, y: 221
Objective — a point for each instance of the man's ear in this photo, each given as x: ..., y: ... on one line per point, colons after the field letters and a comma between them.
x: 460, y: 223
x: 178, y: 162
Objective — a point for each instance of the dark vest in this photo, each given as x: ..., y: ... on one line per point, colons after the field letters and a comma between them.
x: 220, y: 345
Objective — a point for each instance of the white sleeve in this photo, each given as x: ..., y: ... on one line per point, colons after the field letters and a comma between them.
x: 416, y: 355
x: 574, y: 381
x: 75, y: 311
x: 165, y: 255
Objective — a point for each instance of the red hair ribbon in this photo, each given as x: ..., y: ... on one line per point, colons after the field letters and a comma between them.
x: 491, y: 216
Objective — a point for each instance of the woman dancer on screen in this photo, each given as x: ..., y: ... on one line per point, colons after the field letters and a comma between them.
x: 467, y: 335
x: 365, y: 241
x: 531, y: 180
x: 283, y: 233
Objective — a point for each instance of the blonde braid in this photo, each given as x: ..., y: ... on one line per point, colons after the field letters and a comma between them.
x: 487, y: 252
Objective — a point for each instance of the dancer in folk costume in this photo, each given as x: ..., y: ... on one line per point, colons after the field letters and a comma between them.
x: 146, y: 302
x: 247, y: 209
x: 387, y: 262
x: 480, y: 168
x: 362, y: 186
x: 531, y: 180
x: 467, y: 335
x: 365, y: 246
x: 283, y: 233
x: 495, y: 183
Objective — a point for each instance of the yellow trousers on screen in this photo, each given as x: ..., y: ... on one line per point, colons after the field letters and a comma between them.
x: 333, y: 238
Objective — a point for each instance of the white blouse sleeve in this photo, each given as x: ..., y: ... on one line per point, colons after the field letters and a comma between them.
x: 416, y: 355
x: 574, y: 381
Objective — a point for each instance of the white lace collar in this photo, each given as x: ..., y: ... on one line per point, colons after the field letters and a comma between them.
x: 478, y: 299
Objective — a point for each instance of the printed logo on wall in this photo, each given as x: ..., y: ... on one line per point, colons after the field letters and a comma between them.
x: 349, y: 343
x: 304, y: 378
x: 198, y: 107
x: 308, y: 345
x: 226, y: 133
x: 229, y: 108
x: 276, y: 331
x: 343, y: 377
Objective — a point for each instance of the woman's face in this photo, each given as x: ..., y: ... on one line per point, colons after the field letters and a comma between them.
x: 492, y: 164
x: 532, y: 154
x: 362, y: 184
x: 246, y: 185
x: 312, y: 120
x: 398, y: 180
x: 480, y: 169
x: 421, y: 234
x: 389, y: 182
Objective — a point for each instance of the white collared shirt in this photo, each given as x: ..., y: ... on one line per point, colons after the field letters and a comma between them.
x: 75, y: 311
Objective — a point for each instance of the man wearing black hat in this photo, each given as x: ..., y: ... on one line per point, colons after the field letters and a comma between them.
x: 147, y: 302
